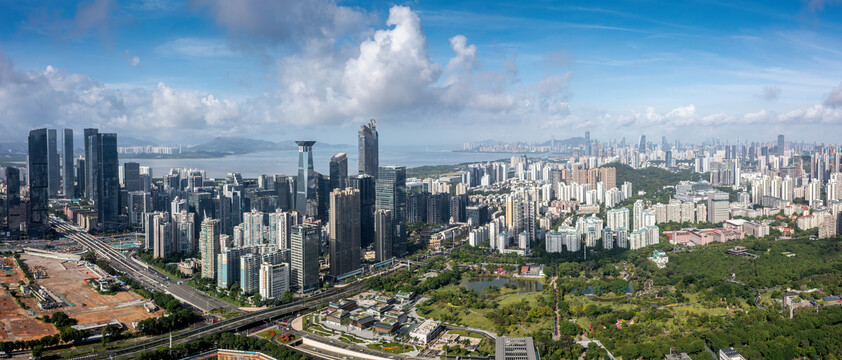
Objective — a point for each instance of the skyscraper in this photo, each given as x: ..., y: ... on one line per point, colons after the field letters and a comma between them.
x: 339, y: 171
x: 163, y: 236
x: 642, y: 146
x: 131, y: 176
x: 369, y: 157
x: 39, y: 189
x: 52, y: 162
x: 91, y: 162
x: 383, y: 233
x: 344, y: 231
x: 68, y: 179
x: 305, y: 257
x: 250, y: 272
x: 209, y: 247
x: 228, y: 267
x: 390, y: 192
x: 12, y: 211
x: 588, y: 143
x: 365, y: 184
x: 718, y: 207
x: 305, y: 198
x: 781, y: 144
x: 184, y: 228
x: 252, y: 228
x: 108, y: 200
x: 274, y: 280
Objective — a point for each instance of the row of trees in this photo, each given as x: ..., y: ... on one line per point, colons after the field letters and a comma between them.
x: 222, y: 341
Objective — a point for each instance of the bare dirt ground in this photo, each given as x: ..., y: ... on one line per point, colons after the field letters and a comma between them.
x: 86, y: 305
x: 16, y: 323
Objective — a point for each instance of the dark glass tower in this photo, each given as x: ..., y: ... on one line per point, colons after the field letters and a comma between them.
x: 339, y: 171
x: 306, y: 201
x: 365, y: 184
x: 12, y: 209
x: 39, y: 178
x: 68, y: 178
x: 390, y: 194
x: 91, y: 163
x: 109, y: 198
x: 344, y: 231
x: 52, y: 162
x: 368, y: 149
x: 131, y: 174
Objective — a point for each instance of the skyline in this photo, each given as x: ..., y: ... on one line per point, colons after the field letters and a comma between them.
x: 429, y: 73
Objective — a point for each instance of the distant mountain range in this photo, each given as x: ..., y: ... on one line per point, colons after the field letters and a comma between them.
x: 574, y: 141
x: 241, y: 145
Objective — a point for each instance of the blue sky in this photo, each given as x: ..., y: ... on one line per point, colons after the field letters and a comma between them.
x: 430, y: 72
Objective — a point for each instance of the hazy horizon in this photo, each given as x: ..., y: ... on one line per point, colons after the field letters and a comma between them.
x: 430, y: 73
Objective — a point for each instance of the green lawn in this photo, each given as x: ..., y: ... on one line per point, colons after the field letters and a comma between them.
x: 391, y: 347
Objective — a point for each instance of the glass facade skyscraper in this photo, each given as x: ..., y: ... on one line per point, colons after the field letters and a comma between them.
x: 68, y: 187
x: 306, y: 201
x: 39, y: 188
x: 368, y: 149
x: 390, y: 194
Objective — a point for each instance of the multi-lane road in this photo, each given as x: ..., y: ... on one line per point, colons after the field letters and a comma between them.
x: 151, y: 278
x: 141, y: 272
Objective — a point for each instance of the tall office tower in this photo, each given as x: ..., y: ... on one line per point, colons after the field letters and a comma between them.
x: 322, y: 196
x: 228, y: 267
x: 12, y: 209
x: 390, y: 190
x: 249, y: 272
x: 588, y: 143
x: 365, y: 184
x: 131, y: 176
x: 368, y: 147
x: 108, y: 205
x: 383, y: 234
x: 39, y: 187
x: 305, y: 257
x: 642, y: 146
x: 52, y: 162
x: 344, y: 231
x: 781, y: 144
x: 273, y: 280
x: 184, y: 224
x: 252, y: 228
x: 339, y: 171
x: 92, y: 162
x: 80, y: 177
x: 668, y: 159
x: 163, y: 236
x: 617, y: 218
x: 67, y: 180
x: 718, y: 207
x: 305, y: 195
x: 139, y: 203
x: 209, y: 247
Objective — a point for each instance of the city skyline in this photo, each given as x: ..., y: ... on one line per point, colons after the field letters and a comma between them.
x: 443, y: 77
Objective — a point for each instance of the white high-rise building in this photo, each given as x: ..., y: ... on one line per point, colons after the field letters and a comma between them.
x: 252, y: 228
x: 617, y: 218
x: 274, y: 280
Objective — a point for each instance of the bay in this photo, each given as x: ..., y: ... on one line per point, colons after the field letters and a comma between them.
x: 286, y: 161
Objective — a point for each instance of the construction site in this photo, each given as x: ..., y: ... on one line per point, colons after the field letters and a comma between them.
x: 61, y: 284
